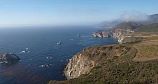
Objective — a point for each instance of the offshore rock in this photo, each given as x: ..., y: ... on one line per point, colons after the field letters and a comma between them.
x: 6, y: 58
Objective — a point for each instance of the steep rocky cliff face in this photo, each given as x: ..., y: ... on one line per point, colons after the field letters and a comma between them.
x: 111, y: 64
x: 78, y: 65
x: 83, y: 62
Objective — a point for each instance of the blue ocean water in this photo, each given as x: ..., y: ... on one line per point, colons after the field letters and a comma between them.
x: 45, y: 60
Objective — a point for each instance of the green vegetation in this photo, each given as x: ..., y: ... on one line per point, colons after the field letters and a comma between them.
x: 116, y: 66
x: 128, y: 25
x: 152, y: 38
x: 149, y: 28
x: 148, y: 50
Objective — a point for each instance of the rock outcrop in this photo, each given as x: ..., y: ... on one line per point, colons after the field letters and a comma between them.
x: 101, y: 34
x: 78, y: 65
x: 6, y: 58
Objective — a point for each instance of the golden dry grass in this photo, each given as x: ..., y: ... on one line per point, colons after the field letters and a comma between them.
x: 147, y: 49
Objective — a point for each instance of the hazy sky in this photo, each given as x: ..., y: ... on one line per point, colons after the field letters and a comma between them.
x: 56, y: 12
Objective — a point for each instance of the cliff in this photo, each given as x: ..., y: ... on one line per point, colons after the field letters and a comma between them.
x: 92, y: 63
x: 101, y: 34
x: 83, y: 62
x: 78, y: 65
x: 122, y: 64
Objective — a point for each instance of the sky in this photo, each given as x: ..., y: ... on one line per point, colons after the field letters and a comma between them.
x: 69, y: 12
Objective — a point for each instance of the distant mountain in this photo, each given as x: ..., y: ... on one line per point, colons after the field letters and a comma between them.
x: 128, y: 25
x: 149, y: 28
x: 151, y: 24
x: 153, y: 18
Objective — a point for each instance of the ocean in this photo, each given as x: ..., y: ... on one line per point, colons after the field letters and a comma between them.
x: 49, y: 50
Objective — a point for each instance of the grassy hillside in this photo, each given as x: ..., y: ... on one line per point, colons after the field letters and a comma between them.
x: 117, y: 65
x: 149, y: 28
x: 128, y: 25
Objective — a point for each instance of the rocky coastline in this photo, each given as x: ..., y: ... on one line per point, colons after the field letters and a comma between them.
x: 118, y: 63
x: 122, y: 35
x: 78, y: 65
x: 8, y: 59
x: 132, y: 61
x: 101, y: 34
x: 83, y: 62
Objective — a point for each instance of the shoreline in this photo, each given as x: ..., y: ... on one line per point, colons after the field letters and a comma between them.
x: 88, y: 60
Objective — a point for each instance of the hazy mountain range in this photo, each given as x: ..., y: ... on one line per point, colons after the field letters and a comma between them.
x: 134, y: 23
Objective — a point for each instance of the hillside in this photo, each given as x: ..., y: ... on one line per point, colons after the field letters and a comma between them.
x: 128, y: 25
x: 129, y: 63
x: 149, y: 28
x: 149, y: 25
x: 153, y: 18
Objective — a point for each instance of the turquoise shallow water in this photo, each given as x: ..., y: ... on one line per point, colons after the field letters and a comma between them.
x: 45, y: 59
